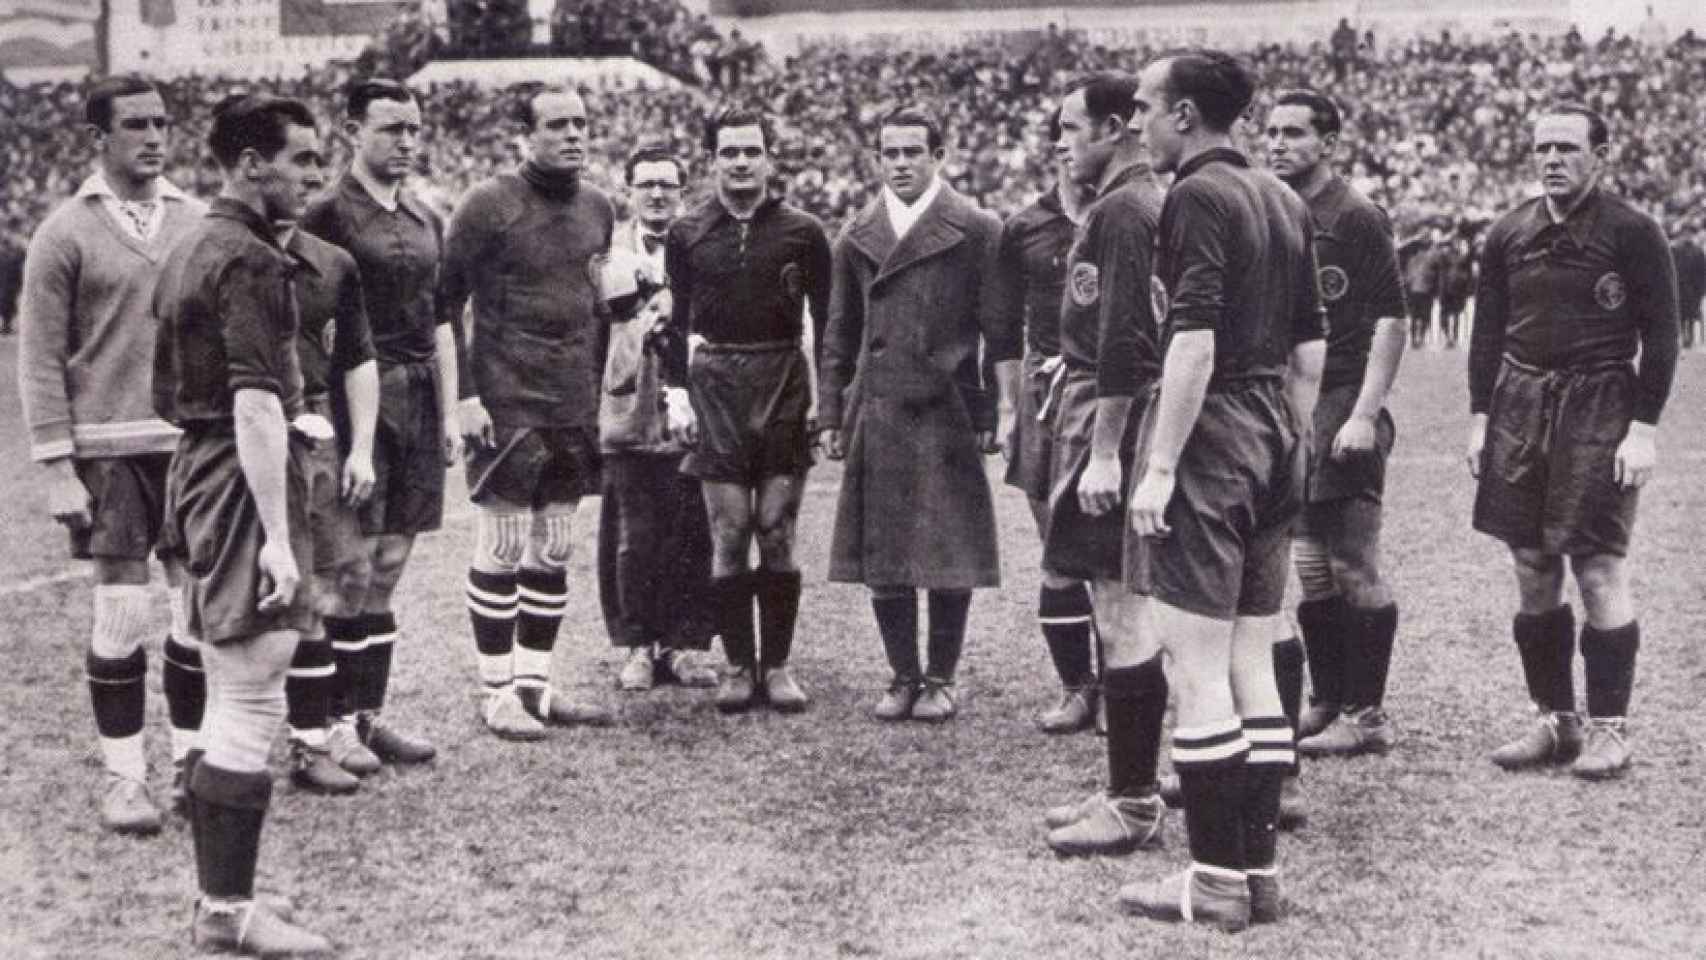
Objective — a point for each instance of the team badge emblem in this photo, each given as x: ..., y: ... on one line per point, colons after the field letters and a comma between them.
x: 1611, y: 292
x: 1334, y: 283
x: 793, y: 280
x: 1159, y: 301
x: 1085, y: 284
x: 329, y: 335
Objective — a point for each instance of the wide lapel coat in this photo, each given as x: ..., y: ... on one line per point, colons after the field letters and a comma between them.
x: 900, y: 378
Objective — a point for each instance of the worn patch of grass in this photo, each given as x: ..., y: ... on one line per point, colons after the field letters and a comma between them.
x: 681, y: 833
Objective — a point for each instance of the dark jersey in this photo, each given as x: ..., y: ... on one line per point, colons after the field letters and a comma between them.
x: 1236, y: 257
x: 1034, y: 247
x: 745, y: 281
x: 1357, y: 266
x: 1107, y: 323
x: 333, y: 337
x: 227, y: 320
x: 1588, y: 292
x: 398, y: 252
x: 530, y: 259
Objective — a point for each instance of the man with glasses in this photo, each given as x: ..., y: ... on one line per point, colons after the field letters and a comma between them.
x: 654, y: 543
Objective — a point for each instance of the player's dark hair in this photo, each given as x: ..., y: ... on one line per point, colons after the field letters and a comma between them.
x: 654, y: 153
x: 732, y: 117
x: 1107, y: 94
x: 911, y: 115
x: 256, y: 122
x: 1217, y: 82
x: 1054, y: 125
x: 362, y: 93
x: 98, y: 102
x: 1324, y: 114
x: 524, y: 112
x: 1598, y: 133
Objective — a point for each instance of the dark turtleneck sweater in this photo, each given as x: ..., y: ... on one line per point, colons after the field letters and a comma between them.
x: 522, y: 246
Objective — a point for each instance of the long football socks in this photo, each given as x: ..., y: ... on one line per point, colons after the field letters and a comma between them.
x: 492, y: 600
x: 949, y: 610
x: 542, y: 596
x: 1136, y: 699
x: 1609, y: 656
x: 778, y: 611
x: 1321, y: 622
x: 733, y: 598
x: 1270, y: 760
x: 117, y: 666
x: 1545, y: 641
x: 1211, y: 761
x: 1064, y: 616
x: 308, y: 690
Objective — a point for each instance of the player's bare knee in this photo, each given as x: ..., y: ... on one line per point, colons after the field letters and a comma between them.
x: 1539, y: 579
x: 776, y: 546
x: 1359, y: 580
x: 1604, y: 587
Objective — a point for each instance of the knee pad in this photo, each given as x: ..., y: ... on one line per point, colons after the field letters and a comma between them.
x: 121, y: 620
x: 243, y: 717
x: 501, y: 539
x: 1314, y: 568
x: 553, y: 536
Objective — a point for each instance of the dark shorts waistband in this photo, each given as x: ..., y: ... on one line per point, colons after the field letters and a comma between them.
x: 757, y: 346
x: 1576, y: 370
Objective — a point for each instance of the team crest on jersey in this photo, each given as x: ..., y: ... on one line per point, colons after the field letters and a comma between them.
x: 794, y: 280
x: 329, y: 335
x: 1334, y: 283
x: 1611, y: 292
x: 1085, y: 284
x: 1159, y: 300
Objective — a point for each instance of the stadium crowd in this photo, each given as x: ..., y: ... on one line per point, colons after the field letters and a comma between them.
x: 1434, y: 130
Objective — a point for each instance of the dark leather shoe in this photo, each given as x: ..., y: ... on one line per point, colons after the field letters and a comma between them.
x: 735, y: 692
x: 935, y: 702
x: 392, y: 745
x: 897, y: 701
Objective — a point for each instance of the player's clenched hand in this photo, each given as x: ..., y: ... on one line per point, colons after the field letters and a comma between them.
x: 1355, y: 438
x: 1099, y: 486
x: 68, y: 500
x: 357, y: 481
x: 1637, y: 455
x: 279, y: 577
x: 1148, y: 509
x: 680, y: 423
x: 832, y: 448
x: 476, y: 423
x: 1477, y: 444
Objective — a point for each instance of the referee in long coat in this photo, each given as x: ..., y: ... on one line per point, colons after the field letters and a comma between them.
x: 915, y: 289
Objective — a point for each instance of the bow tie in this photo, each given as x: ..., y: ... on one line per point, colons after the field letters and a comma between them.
x: 652, y: 242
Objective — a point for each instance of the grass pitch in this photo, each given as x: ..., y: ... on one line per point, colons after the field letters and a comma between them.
x: 681, y: 833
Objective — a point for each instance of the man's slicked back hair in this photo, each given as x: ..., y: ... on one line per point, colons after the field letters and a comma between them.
x: 653, y: 153
x: 1108, y: 94
x: 98, y: 102
x: 256, y: 122
x: 1324, y: 114
x: 1217, y: 82
x: 732, y: 117
x: 1598, y: 133
x: 362, y: 93
x: 913, y: 115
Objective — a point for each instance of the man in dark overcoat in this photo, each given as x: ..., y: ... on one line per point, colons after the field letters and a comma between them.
x: 916, y: 287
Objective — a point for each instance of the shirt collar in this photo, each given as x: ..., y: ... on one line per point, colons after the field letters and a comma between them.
x: 1130, y: 174
x: 96, y: 185
x: 1221, y: 154
x: 764, y: 206
x: 388, y: 197
x: 244, y: 214
x: 1578, y: 223
x: 917, y: 207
